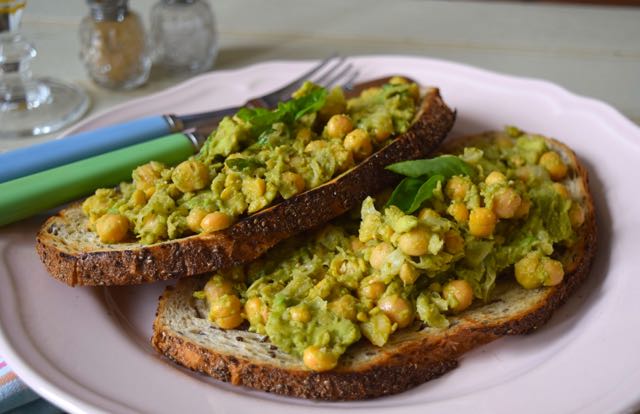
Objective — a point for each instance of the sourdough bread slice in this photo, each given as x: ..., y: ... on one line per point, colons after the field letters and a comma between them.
x: 75, y: 255
x: 414, y: 355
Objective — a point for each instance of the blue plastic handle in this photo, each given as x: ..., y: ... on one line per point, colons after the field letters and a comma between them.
x: 25, y: 161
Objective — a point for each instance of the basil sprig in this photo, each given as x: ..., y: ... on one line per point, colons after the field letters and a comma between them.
x: 261, y: 119
x: 422, y: 177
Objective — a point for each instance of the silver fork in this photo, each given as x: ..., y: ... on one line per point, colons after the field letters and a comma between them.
x: 332, y: 71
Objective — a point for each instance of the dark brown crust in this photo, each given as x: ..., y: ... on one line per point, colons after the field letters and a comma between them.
x: 370, y: 382
x: 250, y: 237
x: 401, y: 365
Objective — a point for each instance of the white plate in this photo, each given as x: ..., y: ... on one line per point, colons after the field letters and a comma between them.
x: 87, y: 350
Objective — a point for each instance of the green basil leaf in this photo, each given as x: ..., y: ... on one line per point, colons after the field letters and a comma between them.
x: 424, y: 192
x: 289, y: 111
x: 243, y: 164
x: 312, y: 102
x: 445, y: 165
x: 404, y: 194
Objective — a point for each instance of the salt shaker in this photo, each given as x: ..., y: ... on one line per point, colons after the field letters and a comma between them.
x: 184, y: 35
x: 114, y: 46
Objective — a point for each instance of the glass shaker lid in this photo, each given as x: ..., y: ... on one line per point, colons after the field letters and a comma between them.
x: 108, y: 9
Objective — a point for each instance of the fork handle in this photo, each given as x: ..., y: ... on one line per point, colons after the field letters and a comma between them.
x: 29, y: 160
x: 41, y: 191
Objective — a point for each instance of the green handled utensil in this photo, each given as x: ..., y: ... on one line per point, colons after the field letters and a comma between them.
x: 32, y: 194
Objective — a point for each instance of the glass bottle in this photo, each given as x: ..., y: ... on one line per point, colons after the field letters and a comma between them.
x: 114, y: 46
x: 30, y: 105
x: 184, y: 35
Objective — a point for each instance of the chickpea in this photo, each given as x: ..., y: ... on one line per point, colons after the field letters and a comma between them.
x: 552, y: 162
x: 344, y: 307
x: 561, y: 189
x: 506, y: 203
x: 384, y: 127
x: 338, y: 126
x: 462, y: 293
x: 535, y: 270
x: 145, y: 176
x: 359, y: 143
x: 372, y: 290
x: 194, y: 218
x: 316, y: 145
x: 217, y: 287
x: 428, y: 213
x: 415, y: 242
x: 138, y: 198
x: 304, y: 134
x: 482, y: 221
x: 112, y: 228
x: 453, y: 242
x: 526, y: 271
x: 227, y: 194
x: 226, y: 311
x: 408, y: 274
x: 458, y: 211
x: 495, y: 177
x: 254, y: 311
x: 456, y: 188
x: 215, y: 221
x: 300, y: 313
x: 379, y: 255
x: 149, y: 191
x: 398, y: 309
x: 554, y: 271
x: 255, y: 187
x: 576, y: 215
x: 356, y: 244
x: 293, y: 181
x: 319, y: 359
x: 190, y: 175
x: 523, y: 209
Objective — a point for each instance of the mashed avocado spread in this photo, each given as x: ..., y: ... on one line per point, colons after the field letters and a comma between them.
x: 253, y: 159
x: 389, y: 269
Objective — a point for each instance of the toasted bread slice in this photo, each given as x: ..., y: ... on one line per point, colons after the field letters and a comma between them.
x: 75, y: 255
x: 414, y: 355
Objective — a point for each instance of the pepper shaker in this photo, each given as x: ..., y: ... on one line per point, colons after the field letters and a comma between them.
x: 114, y: 46
x: 184, y: 35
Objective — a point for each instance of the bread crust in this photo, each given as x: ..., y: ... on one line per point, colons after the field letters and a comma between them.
x: 412, y: 357
x: 90, y: 262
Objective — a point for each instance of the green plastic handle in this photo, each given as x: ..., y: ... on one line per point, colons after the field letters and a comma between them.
x: 26, y: 196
